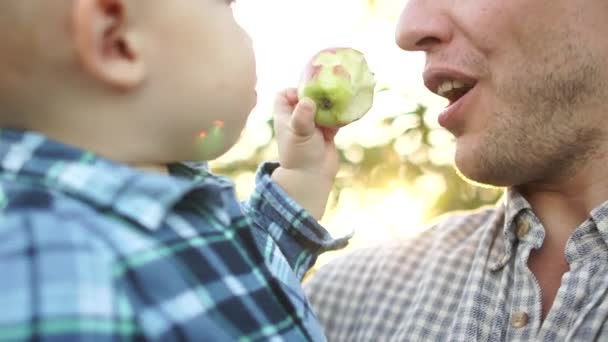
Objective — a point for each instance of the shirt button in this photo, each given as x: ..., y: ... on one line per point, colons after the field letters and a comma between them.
x: 523, y: 227
x: 519, y: 319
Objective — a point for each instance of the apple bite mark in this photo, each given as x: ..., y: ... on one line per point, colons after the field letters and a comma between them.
x: 340, y: 83
x: 315, y: 70
x: 340, y: 71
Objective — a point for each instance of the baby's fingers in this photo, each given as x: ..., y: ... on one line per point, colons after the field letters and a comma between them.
x: 286, y: 101
x: 329, y: 133
x: 303, y: 118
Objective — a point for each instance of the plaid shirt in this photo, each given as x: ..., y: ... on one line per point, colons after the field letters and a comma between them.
x: 466, y: 279
x: 97, y: 251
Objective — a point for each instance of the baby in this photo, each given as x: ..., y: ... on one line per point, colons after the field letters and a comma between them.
x: 105, y: 232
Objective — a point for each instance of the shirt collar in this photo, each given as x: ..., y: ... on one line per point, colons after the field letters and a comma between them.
x: 599, y: 215
x: 513, y: 206
x: 143, y: 197
x: 510, y: 208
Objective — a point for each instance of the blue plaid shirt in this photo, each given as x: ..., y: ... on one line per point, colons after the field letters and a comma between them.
x: 94, y: 250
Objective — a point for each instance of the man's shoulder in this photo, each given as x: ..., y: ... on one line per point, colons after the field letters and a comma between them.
x: 362, y: 283
x: 443, y: 232
x: 450, y: 233
x: 461, y: 226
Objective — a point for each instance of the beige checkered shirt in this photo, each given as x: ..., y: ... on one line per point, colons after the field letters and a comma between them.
x: 466, y: 279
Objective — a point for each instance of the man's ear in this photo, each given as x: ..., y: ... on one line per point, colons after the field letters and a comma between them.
x: 106, y: 44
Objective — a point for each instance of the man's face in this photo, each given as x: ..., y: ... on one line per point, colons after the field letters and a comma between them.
x: 204, y: 71
x: 533, y: 76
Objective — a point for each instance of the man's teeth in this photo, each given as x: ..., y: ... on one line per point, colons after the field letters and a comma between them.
x: 447, y: 86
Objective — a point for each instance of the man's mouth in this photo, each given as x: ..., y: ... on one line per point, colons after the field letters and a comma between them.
x: 448, y: 83
x: 453, y: 89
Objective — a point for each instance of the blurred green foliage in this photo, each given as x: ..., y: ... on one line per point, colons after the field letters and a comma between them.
x: 376, y: 166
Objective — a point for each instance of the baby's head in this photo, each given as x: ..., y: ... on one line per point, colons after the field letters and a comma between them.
x: 138, y: 81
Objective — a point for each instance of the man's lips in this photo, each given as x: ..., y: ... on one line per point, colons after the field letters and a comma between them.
x: 454, y: 116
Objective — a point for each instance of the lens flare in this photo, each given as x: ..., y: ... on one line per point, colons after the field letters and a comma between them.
x: 209, y: 143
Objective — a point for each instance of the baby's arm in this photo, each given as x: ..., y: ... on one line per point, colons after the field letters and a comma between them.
x: 307, y: 153
x: 291, y: 196
x: 283, y: 228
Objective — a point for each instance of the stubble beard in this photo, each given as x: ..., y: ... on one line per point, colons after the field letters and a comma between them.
x: 546, y: 132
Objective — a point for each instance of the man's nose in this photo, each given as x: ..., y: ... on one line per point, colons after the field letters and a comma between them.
x: 423, y: 25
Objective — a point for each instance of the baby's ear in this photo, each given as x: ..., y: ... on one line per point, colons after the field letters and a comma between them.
x: 106, y: 43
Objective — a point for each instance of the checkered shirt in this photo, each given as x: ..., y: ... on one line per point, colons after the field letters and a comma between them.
x: 92, y: 250
x: 466, y: 279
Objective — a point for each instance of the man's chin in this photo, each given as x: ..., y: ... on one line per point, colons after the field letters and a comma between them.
x: 481, y: 176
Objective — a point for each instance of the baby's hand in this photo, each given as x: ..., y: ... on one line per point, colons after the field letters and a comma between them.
x: 307, y: 153
x: 303, y: 145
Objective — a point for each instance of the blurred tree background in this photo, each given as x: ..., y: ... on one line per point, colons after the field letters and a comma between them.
x: 407, y: 155
x: 397, y: 151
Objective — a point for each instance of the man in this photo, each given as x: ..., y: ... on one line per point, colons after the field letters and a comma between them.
x: 526, y: 80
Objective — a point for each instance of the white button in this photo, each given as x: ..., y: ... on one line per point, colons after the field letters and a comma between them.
x: 523, y: 227
x: 519, y: 319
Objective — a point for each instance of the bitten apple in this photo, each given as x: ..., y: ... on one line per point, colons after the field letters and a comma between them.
x: 340, y: 83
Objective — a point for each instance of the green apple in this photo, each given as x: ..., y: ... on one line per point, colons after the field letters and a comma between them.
x: 340, y: 83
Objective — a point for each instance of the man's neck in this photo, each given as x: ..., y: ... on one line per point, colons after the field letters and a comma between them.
x: 563, y: 205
